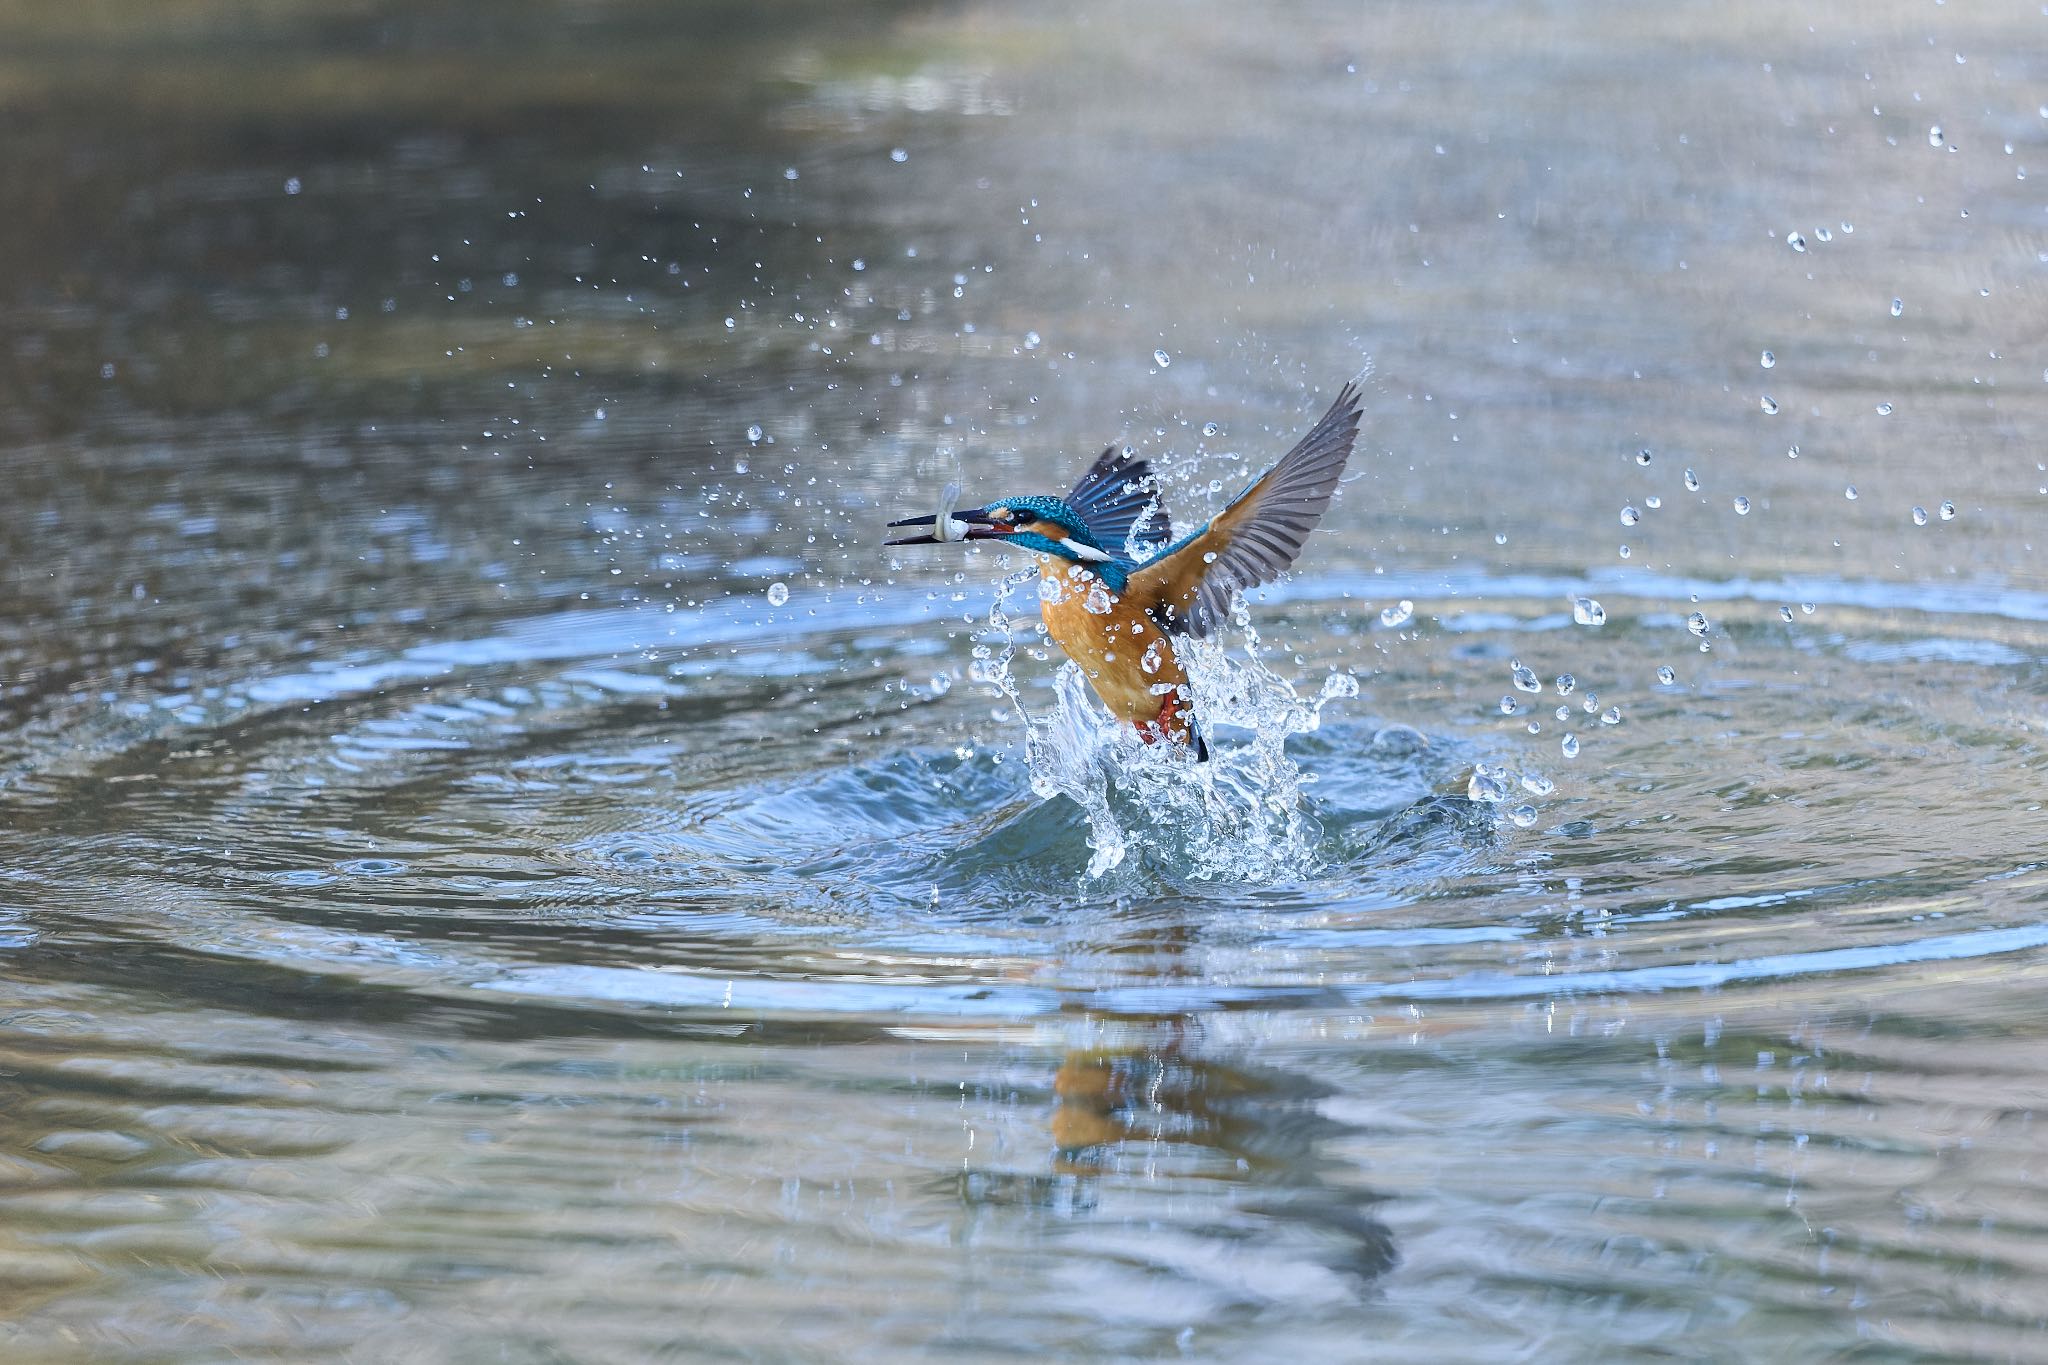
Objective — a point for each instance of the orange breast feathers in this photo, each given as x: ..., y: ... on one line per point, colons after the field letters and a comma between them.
x: 1121, y: 650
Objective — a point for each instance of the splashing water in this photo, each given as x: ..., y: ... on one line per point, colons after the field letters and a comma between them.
x: 1241, y: 816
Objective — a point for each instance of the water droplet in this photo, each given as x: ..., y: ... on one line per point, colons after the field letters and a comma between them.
x: 1523, y: 815
x: 1653, y: 502
x: 1507, y: 705
x: 1884, y: 409
x: 1769, y: 405
x: 1630, y: 516
x: 1934, y: 136
x: 292, y: 186
x: 1919, y: 516
x: 1211, y: 429
x: 1623, y: 552
x: 1824, y: 234
x: 1697, y: 623
x: 1692, y: 482
x: 1536, y: 784
x: 1666, y: 676
x: 1500, y: 537
x: 1524, y: 676
x: 1587, y: 612
x: 941, y: 684
x: 1565, y: 683
x: 899, y: 155
x: 1590, y: 703
x: 1742, y: 507
x: 754, y: 432
x: 1611, y: 716
x: 730, y: 324
x: 1948, y: 511
x: 1898, y: 307
x: 1806, y: 607
x: 1535, y: 727
x: 1161, y: 359
x: 1792, y: 451
x: 1571, y: 742
x: 1563, y: 713
x: 1643, y: 455
x: 1400, y: 614
x: 1785, y: 615
x: 1769, y: 360
x: 1488, y: 783
x: 778, y: 594
x: 1795, y: 241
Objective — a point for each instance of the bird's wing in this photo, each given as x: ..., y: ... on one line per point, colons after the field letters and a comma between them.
x: 1253, y: 540
x: 1112, y: 497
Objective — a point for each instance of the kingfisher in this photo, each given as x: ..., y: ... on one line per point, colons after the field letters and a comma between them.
x: 1118, y: 615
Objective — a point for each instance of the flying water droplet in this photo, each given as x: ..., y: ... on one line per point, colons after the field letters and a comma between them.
x: 1630, y: 516
x: 1571, y: 742
x: 1161, y: 359
x: 1769, y: 405
x: 1806, y: 607
x: 1795, y: 241
x: 778, y: 594
x: 1525, y: 677
x: 1587, y: 612
x: 1742, y: 507
x: 1523, y: 815
x: 1643, y: 455
x: 1934, y: 136
x: 1400, y: 614
x: 1884, y: 409
x: 899, y: 155
x: 1565, y: 683
x: 1898, y: 307
x: 1507, y: 705
x: 1611, y: 716
x: 1948, y: 511
x: 1692, y: 482
x: 1536, y: 784
x: 1792, y: 451
x: 1211, y: 429
x: 941, y: 684
x: 1769, y: 360
x: 754, y: 432
x: 1666, y: 676
x: 1919, y: 516
x: 1653, y: 502
x: 1850, y: 492
x: 1697, y: 623
x: 1488, y: 783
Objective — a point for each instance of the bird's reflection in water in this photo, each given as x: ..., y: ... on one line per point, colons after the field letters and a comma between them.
x: 1251, y: 1143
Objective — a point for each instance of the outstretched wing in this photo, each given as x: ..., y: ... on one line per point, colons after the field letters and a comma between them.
x: 1112, y: 497
x: 1253, y: 540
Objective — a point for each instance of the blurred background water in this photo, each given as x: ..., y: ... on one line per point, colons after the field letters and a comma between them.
x: 497, y: 862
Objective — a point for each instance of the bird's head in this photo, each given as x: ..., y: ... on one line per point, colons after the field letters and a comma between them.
x: 1037, y: 521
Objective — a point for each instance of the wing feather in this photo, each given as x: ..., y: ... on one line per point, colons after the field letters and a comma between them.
x: 1116, y: 495
x: 1253, y: 540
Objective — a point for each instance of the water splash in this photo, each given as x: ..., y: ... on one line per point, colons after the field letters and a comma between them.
x: 1242, y: 816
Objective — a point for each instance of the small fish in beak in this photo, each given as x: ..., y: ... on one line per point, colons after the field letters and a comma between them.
x: 947, y: 525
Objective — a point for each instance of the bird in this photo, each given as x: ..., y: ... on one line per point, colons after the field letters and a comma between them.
x: 1119, y: 616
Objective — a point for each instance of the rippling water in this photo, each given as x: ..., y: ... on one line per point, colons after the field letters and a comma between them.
x: 497, y: 862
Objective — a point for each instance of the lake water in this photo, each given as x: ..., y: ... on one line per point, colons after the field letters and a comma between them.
x: 497, y: 862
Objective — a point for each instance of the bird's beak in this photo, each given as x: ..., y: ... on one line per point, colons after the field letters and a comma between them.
x: 972, y: 524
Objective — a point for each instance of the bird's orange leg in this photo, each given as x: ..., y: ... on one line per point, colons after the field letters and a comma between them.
x: 1169, y: 724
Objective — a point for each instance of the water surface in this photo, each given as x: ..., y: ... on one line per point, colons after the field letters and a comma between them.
x: 499, y: 863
